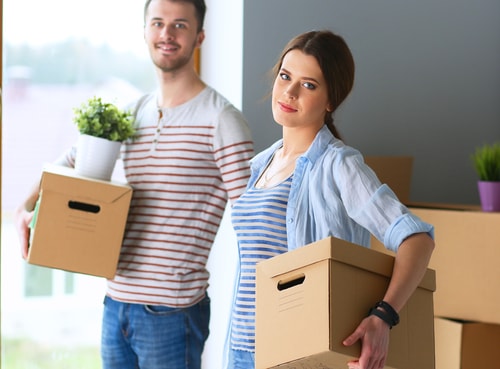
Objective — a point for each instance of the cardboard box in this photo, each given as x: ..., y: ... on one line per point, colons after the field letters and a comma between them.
x: 79, y: 223
x: 310, y: 299
x: 395, y: 171
x: 466, y: 345
x: 465, y: 259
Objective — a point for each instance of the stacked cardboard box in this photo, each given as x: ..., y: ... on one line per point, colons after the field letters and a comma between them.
x: 466, y: 345
x: 310, y: 299
x: 467, y: 298
x: 467, y: 301
x: 79, y: 223
x: 466, y: 260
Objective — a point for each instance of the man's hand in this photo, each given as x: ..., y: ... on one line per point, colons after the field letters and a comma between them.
x: 22, y: 221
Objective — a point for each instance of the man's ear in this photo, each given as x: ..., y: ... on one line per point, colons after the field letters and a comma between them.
x: 200, y: 38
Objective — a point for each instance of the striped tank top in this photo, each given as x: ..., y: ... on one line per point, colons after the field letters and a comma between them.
x: 259, y: 220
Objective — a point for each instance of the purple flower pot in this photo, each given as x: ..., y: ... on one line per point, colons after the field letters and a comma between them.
x: 489, y: 193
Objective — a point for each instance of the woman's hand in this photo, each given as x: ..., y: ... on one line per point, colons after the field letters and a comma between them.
x: 373, y: 333
x: 410, y: 266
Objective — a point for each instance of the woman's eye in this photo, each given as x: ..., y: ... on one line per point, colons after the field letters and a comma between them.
x: 309, y: 85
x: 284, y: 76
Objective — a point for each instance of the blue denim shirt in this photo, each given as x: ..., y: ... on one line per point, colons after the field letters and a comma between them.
x: 334, y: 193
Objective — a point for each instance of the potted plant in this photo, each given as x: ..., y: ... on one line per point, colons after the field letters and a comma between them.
x: 103, y: 127
x: 486, y: 160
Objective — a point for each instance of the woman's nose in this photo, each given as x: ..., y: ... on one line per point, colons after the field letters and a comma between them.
x: 291, y: 91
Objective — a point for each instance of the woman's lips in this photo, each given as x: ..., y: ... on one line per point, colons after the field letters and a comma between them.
x: 286, y: 108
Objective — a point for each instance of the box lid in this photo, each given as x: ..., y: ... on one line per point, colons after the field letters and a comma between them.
x: 56, y: 178
x: 340, y: 251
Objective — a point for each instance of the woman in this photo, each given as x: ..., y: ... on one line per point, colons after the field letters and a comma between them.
x: 309, y: 185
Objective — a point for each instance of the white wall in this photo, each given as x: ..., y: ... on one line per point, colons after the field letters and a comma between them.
x: 222, y: 50
x: 221, y: 67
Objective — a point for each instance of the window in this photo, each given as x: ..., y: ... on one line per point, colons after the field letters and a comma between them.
x: 57, y: 53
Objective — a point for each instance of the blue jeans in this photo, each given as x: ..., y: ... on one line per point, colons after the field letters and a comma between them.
x: 153, y: 337
x: 239, y: 359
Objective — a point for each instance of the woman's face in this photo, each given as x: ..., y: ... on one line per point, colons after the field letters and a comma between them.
x: 300, y: 96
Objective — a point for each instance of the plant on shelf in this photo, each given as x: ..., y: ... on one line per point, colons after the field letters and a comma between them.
x: 103, y: 127
x: 101, y: 119
x: 486, y: 160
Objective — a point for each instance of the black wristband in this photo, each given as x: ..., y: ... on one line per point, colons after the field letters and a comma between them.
x: 390, y: 310
x: 388, y: 314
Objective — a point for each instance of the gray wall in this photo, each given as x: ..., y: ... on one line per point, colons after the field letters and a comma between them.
x: 427, y: 80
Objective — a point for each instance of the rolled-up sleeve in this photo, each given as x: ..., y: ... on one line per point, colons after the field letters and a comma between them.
x: 403, y: 227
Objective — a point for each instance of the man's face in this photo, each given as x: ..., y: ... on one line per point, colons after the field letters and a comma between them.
x: 171, y: 34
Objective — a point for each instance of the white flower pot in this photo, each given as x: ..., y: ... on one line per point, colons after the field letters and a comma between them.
x: 96, y: 157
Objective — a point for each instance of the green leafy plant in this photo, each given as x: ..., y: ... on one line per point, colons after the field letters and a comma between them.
x: 105, y: 120
x: 486, y: 161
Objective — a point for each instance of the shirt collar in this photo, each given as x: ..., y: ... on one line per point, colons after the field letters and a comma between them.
x: 323, y: 138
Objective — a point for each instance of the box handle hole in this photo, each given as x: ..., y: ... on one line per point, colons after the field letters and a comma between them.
x: 292, y: 282
x: 82, y: 206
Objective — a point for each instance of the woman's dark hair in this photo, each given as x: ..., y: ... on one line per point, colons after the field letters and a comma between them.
x: 199, y: 5
x: 336, y: 63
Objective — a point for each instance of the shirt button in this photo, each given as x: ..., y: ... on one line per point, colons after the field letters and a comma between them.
x: 290, y: 220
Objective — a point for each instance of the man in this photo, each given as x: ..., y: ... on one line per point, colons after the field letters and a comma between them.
x: 190, y: 156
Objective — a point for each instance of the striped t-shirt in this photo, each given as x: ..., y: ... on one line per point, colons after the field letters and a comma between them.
x: 259, y: 220
x: 184, y: 165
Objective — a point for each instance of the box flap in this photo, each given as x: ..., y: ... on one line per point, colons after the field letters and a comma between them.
x: 86, y: 191
x: 395, y: 171
x: 341, y: 251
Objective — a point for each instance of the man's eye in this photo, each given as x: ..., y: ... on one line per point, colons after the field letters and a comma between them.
x: 180, y: 25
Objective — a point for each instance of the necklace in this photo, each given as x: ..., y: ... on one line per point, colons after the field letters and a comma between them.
x: 270, y: 172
